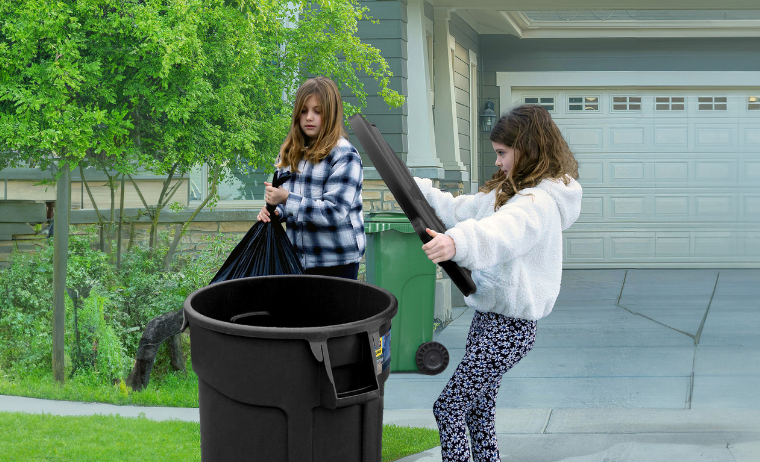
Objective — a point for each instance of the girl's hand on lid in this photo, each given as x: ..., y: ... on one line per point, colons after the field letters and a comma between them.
x: 441, y: 248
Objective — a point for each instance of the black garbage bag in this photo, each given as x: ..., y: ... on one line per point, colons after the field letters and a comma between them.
x: 264, y: 251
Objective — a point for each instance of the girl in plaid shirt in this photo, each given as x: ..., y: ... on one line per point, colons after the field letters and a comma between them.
x: 322, y: 202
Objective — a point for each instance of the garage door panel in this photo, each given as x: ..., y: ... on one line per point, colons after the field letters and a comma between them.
x: 749, y: 136
x: 664, y: 171
x: 628, y: 171
x: 587, y: 247
x: 592, y: 207
x: 751, y: 208
x: 669, y: 137
x: 668, y: 245
x: 725, y: 172
x: 631, y: 138
x: 632, y: 246
x: 671, y: 171
x: 674, y: 205
x: 592, y: 172
x: 751, y: 172
x: 752, y: 245
x: 625, y: 208
x: 584, y: 138
x: 715, y: 207
x: 714, y: 244
x: 714, y: 137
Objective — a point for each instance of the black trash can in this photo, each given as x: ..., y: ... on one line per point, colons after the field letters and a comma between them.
x: 291, y: 368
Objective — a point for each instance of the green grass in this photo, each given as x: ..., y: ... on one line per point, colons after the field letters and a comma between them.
x: 400, y: 442
x: 102, y: 438
x: 174, y: 389
x: 26, y: 437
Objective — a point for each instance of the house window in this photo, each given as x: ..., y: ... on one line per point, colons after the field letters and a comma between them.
x: 626, y: 103
x: 242, y: 189
x: 753, y: 103
x: 669, y: 103
x: 583, y: 103
x: 712, y: 103
x: 547, y: 102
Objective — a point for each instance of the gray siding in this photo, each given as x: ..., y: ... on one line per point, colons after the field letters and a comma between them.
x: 390, y: 37
x: 489, y: 90
x: 466, y: 39
x: 507, y: 53
x: 429, y: 12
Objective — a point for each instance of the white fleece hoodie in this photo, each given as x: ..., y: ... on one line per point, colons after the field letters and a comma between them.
x: 515, y: 253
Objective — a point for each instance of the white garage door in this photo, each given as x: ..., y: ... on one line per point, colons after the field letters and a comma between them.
x: 671, y: 177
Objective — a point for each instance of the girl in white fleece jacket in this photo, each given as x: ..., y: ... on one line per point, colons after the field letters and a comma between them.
x: 510, y: 235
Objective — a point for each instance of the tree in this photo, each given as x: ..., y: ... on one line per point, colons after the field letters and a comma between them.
x: 167, y: 85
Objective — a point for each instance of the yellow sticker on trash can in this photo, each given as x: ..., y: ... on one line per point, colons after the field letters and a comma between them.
x: 383, y: 354
x: 385, y: 342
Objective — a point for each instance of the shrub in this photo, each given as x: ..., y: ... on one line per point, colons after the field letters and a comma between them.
x: 111, y: 309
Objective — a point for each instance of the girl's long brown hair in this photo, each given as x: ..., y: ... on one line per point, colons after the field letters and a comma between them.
x: 540, y: 152
x: 293, y: 149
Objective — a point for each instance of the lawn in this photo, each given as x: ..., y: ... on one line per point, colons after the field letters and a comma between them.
x: 98, y: 438
x: 174, y: 389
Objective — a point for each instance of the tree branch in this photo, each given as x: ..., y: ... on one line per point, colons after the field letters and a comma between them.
x: 101, y: 219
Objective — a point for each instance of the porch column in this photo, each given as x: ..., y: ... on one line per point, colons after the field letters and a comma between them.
x: 422, y: 149
x: 446, y: 138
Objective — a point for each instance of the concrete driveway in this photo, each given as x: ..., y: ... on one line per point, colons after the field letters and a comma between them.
x: 632, y: 365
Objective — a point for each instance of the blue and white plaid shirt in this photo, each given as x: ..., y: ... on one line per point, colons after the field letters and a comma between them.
x: 324, y: 209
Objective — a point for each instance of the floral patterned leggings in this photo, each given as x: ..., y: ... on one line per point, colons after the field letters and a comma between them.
x: 495, y: 344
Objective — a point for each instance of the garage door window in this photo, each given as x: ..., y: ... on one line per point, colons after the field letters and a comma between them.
x: 753, y: 103
x: 712, y: 103
x: 669, y: 103
x: 543, y: 101
x: 583, y: 103
x: 626, y: 103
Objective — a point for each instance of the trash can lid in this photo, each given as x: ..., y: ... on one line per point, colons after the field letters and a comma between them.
x: 384, y: 221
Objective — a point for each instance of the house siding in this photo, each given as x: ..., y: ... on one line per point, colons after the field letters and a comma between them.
x: 390, y: 37
x: 466, y: 39
x: 429, y: 12
x: 620, y: 54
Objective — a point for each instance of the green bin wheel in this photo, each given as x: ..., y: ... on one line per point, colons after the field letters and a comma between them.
x: 432, y: 358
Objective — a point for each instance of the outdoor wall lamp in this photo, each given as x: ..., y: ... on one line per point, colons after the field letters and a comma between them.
x: 488, y: 117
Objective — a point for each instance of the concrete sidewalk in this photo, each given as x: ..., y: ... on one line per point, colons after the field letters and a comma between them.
x: 637, y: 365
x: 631, y: 366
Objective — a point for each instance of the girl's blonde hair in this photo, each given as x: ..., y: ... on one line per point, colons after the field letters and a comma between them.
x: 540, y: 152
x: 293, y: 149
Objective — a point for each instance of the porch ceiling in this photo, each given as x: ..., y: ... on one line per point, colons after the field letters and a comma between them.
x: 568, y: 5
x: 623, y: 22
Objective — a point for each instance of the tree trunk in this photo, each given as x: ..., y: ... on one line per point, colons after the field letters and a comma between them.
x: 175, y: 353
x: 160, y: 328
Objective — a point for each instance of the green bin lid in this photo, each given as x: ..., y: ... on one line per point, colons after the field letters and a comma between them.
x: 384, y: 221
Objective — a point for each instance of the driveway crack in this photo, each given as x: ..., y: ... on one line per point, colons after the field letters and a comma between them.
x: 653, y: 320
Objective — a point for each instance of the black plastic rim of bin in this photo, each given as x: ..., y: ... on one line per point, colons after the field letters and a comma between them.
x: 307, y: 333
x: 408, y: 195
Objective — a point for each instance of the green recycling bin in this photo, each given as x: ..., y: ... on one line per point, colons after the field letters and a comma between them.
x: 396, y: 262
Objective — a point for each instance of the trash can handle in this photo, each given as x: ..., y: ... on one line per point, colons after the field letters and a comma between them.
x: 278, y: 181
x: 329, y: 395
